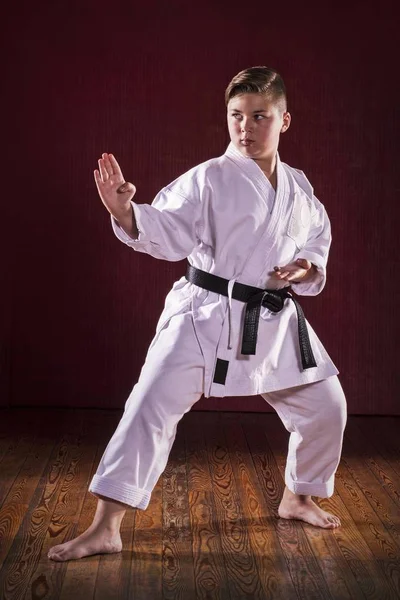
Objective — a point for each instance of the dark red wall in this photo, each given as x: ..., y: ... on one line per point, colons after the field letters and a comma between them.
x: 79, y: 308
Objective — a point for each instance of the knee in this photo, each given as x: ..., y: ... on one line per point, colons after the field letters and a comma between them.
x: 333, y: 413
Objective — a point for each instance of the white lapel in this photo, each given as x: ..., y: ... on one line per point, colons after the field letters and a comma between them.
x: 259, y: 256
x: 251, y: 168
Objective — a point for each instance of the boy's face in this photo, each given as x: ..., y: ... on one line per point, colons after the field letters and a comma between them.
x: 255, y: 124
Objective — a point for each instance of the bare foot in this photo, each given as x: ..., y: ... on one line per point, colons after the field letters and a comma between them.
x: 92, y: 541
x: 303, y: 508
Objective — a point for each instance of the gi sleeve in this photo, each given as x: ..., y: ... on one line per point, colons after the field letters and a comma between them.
x: 316, y: 250
x: 168, y: 228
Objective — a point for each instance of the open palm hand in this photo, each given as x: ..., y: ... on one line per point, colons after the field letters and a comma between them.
x: 114, y: 191
x: 294, y: 272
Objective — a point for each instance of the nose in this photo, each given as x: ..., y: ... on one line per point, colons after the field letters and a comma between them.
x: 246, y: 125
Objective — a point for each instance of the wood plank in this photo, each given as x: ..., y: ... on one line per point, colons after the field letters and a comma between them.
x: 14, y: 425
x: 11, y: 420
x: 383, y: 434
x: 107, y: 575
x: 12, y: 462
x: 178, y: 574
x: 371, y: 455
x: 64, y: 518
x: 240, y: 562
x: 376, y: 515
x: 25, y: 551
x: 351, y: 562
x: 17, y: 502
x: 303, y: 566
x: 382, y: 430
x: 5, y: 442
x: 272, y: 568
x: 146, y: 574
x: 381, y: 559
x: 31, y: 426
x: 219, y: 537
x: 80, y: 580
x: 114, y: 572
x: 198, y: 472
x: 356, y: 458
x: 209, y: 567
x: 80, y: 575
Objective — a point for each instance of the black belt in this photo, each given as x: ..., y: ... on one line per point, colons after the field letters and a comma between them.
x: 255, y: 298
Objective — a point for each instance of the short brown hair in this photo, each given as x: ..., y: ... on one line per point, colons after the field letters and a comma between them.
x: 258, y: 80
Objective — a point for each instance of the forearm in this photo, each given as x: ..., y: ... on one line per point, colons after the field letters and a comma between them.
x: 311, y: 285
x: 126, y: 219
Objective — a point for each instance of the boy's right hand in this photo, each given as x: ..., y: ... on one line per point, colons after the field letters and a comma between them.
x: 114, y: 191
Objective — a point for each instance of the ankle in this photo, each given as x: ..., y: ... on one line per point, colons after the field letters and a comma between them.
x: 109, y: 527
x: 289, y: 496
x: 108, y: 516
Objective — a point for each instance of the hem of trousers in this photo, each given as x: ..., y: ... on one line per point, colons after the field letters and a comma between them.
x: 123, y: 492
x: 322, y: 490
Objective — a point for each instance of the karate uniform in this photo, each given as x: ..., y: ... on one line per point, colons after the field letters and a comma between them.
x: 226, y: 219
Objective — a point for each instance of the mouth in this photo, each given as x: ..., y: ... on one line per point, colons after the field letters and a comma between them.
x: 246, y: 142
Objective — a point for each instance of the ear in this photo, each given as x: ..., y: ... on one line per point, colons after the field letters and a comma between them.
x: 287, y: 119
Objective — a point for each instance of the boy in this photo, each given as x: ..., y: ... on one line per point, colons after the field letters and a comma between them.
x: 230, y: 326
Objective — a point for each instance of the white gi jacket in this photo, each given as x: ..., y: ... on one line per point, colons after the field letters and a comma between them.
x: 226, y: 218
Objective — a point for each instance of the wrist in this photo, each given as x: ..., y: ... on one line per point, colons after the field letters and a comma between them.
x: 310, y: 273
x: 127, y: 221
x: 123, y: 212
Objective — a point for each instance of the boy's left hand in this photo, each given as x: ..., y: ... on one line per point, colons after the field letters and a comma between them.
x: 295, y: 272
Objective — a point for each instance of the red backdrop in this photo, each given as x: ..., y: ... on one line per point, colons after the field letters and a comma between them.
x: 147, y: 83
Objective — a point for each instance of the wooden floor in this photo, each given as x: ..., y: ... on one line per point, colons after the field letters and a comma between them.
x: 211, y: 529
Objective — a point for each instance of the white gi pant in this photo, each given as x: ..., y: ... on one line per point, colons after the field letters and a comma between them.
x: 171, y: 382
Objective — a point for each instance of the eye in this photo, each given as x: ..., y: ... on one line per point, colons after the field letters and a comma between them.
x: 259, y: 117
x: 236, y: 115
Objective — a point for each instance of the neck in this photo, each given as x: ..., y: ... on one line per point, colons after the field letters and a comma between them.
x: 267, y: 165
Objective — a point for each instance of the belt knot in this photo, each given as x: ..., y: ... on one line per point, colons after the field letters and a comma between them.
x: 255, y: 298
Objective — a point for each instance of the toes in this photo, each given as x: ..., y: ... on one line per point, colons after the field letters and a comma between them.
x: 57, y: 553
x: 54, y: 556
x: 61, y: 556
x: 333, y: 519
x: 331, y: 522
x: 334, y: 523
